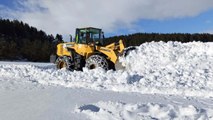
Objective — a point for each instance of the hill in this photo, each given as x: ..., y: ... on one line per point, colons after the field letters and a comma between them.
x: 19, y: 41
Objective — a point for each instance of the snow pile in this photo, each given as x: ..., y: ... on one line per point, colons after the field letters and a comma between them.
x: 187, y: 67
x: 164, y: 68
x: 150, y: 111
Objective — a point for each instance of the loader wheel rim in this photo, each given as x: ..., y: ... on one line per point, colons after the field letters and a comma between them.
x: 92, y: 66
x: 62, y: 65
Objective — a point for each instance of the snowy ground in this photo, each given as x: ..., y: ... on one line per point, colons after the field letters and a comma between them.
x: 161, y: 81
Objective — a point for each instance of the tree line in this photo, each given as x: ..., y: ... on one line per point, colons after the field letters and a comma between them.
x: 140, y: 38
x: 19, y: 41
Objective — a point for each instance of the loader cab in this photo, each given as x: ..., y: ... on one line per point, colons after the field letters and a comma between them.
x: 89, y: 36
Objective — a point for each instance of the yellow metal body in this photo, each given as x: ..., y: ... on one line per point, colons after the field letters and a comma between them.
x: 112, y: 51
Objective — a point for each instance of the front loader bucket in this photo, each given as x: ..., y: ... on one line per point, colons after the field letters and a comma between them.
x: 128, y: 50
x: 125, y: 53
x: 119, y: 66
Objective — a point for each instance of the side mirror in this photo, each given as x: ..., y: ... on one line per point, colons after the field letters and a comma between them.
x: 102, y: 34
x: 70, y: 38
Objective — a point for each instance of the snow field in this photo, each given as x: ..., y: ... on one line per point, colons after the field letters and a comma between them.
x: 175, y: 79
x: 150, y: 111
x: 164, y: 68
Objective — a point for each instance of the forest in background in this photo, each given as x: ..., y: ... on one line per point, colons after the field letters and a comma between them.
x: 140, y: 38
x: 20, y: 41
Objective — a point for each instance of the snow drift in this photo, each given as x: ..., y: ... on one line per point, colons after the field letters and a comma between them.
x: 164, y: 68
x: 150, y: 111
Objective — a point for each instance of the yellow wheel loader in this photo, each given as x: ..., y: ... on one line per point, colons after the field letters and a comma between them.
x: 87, y: 50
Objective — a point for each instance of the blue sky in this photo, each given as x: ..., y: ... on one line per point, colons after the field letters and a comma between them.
x: 6, y: 2
x: 193, y: 16
x: 202, y: 23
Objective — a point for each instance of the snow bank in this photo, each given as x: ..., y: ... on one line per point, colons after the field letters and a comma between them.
x: 150, y: 111
x: 164, y: 68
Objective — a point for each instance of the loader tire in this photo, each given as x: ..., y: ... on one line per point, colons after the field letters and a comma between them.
x: 96, y: 61
x: 64, y: 62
